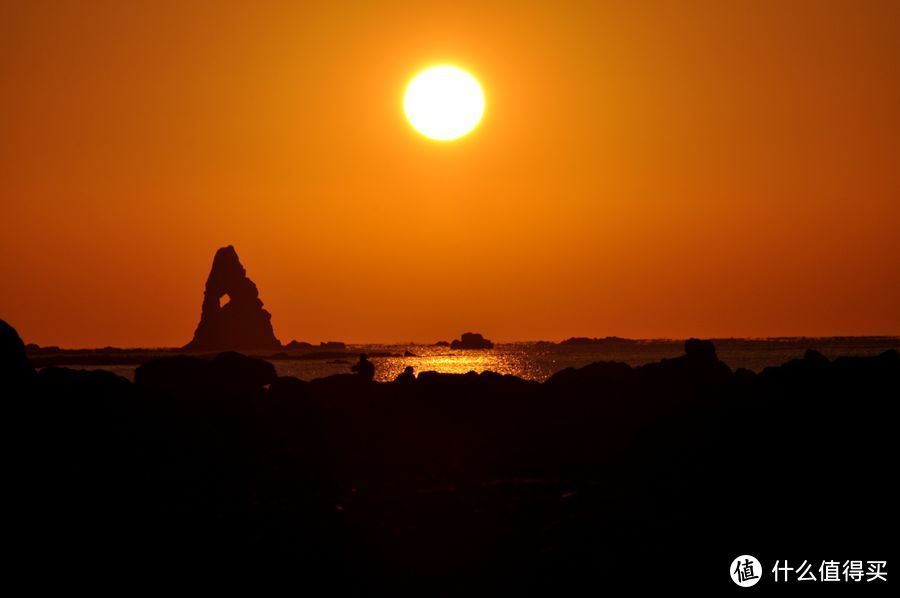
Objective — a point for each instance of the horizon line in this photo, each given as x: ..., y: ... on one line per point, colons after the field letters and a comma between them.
x: 779, y: 338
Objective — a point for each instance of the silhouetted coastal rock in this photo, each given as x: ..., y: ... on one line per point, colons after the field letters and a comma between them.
x: 288, y: 388
x: 608, y: 340
x: 95, y: 383
x: 34, y: 349
x: 227, y: 374
x: 307, y: 355
x: 333, y: 346
x: 241, y: 323
x: 298, y: 346
x: 459, y: 481
x: 325, y: 346
x: 695, y: 348
x: 699, y: 368
x: 471, y: 340
x: 813, y: 355
x: 15, y: 369
x: 608, y: 373
x: 442, y: 344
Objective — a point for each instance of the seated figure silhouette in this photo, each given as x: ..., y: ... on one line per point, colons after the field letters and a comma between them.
x: 407, y: 376
x: 364, y: 367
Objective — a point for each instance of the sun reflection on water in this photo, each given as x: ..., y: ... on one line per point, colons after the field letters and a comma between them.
x: 456, y: 362
x: 523, y: 360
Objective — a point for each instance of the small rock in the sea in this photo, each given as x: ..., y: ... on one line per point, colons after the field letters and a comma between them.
x: 472, y: 340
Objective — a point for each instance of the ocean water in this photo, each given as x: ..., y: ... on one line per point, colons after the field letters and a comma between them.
x: 539, y: 361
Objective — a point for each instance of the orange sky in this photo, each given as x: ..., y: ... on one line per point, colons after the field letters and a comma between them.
x: 644, y: 169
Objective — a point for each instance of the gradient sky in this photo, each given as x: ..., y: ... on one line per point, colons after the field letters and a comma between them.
x: 644, y: 169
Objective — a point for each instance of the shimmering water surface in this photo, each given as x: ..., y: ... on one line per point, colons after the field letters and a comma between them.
x: 539, y: 361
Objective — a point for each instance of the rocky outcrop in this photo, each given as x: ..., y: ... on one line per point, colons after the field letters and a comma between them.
x: 698, y: 349
x: 472, y: 340
x: 241, y: 323
x: 323, y: 346
x: 226, y: 375
x: 15, y: 369
x: 600, y: 462
x: 296, y: 345
x: 333, y: 346
x: 609, y: 340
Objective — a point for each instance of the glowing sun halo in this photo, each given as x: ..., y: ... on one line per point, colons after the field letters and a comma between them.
x: 444, y: 103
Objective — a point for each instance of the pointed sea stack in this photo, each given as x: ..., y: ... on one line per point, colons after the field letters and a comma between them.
x: 241, y: 323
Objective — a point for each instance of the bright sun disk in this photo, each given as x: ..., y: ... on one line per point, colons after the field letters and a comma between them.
x: 444, y: 103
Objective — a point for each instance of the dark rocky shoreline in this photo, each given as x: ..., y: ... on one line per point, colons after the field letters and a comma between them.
x: 606, y: 476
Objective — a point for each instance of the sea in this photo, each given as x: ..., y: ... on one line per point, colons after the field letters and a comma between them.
x: 538, y: 361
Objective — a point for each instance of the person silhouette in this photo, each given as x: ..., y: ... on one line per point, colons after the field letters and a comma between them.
x: 364, y: 367
x: 406, y: 376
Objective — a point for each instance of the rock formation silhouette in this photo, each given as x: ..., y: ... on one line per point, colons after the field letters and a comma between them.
x: 472, y: 340
x: 241, y: 323
x: 15, y: 369
x: 296, y: 345
x: 219, y: 464
x: 226, y: 375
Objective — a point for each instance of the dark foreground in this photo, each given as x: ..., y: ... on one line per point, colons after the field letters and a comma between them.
x: 608, y: 476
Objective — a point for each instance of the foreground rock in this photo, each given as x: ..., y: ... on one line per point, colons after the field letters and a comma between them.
x: 226, y: 375
x: 454, y: 481
x: 241, y: 323
x: 471, y: 340
x: 15, y: 370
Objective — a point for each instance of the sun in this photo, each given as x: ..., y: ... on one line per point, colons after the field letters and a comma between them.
x: 444, y: 103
